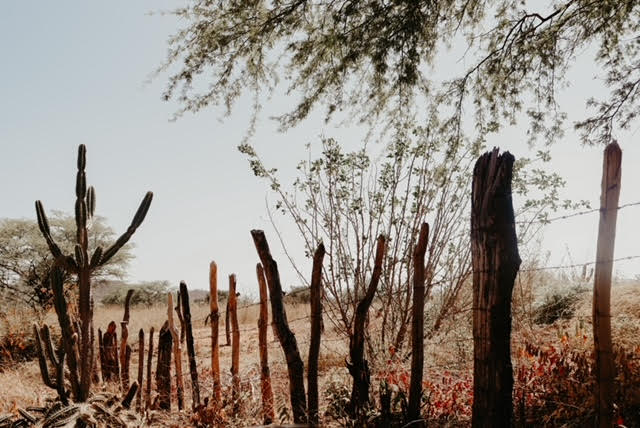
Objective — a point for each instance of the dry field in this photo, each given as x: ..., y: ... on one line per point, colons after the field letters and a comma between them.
x: 542, y: 355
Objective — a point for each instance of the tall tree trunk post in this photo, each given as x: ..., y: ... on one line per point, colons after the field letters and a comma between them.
x: 286, y: 337
x: 495, y: 261
x: 265, y: 375
x: 316, y: 333
x: 193, y: 369
x: 140, y: 369
x: 603, y: 348
x: 358, y: 365
x: 417, y: 325
x: 177, y: 352
x: 215, y: 318
x: 163, y: 367
x: 147, y: 403
x: 235, y: 346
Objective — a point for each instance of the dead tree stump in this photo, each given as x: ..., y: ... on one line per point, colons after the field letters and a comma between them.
x: 286, y: 337
x: 495, y: 260
x: 163, y: 368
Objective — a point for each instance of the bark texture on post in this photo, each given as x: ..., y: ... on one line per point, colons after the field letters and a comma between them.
x: 235, y: 346
x: 417, y: 325
x: 140, y: 369
x: 193, y: 369
x: 177, y: 352
x: 358, y: 365
x: 124, y: 337
x: 265, y: 375
x: 215, y: 348
x: 286, y: 337
x: 316, y: 333
x: 495, y: 260
x: 603, y: 347
x: 111, y: 369
x: 163, y: 367
x: 147, y: 403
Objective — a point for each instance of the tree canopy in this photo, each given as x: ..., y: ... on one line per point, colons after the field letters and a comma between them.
x: 374, y: 58
x: 25, y: 260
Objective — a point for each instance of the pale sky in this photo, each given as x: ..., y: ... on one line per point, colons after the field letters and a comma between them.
x: 78, y: 72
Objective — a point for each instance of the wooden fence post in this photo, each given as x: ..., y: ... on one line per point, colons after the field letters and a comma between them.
x: 124, y: 336
x: 417, y: 326
x: 163, y: 367
x: 358, y: 365
x: 295, y: 366
x: 111, y: 369
x: 177, y: 352
x: 147, y: 404
x: 227, y: 324
x: 215, y: 318
x: 495, y: 260
x: 235, y: 345
x: 605, y: 368
x: 140, y: 369
x: 316, y: 332
x: 265, y: 375
x: 193, y: 369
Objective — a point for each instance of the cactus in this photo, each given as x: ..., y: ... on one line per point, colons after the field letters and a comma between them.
x: 83, y: 266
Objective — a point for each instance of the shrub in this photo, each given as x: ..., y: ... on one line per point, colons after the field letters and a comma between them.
x: 298, y: 295
x: 145, y: 293
x: 559, y: 304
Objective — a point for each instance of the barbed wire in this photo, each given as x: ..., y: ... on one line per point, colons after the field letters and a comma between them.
x: 576, y: 214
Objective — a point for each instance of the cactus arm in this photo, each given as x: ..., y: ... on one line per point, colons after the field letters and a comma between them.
x: 135, y: 223
x: 42, y: 361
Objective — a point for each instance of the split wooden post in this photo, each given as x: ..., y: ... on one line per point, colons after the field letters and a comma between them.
x: 215, y: 316
x: 605, y: 367
x: 163, y: 367
x: 235, y: 345
x: 180, y: 318
x: 417, y: 325
x: 193, y: 369
x: 495, y: 261
x: 140, y: 369
x: 147, y: 404
x: 316, y: 333
x: 287, y: 339
x: 177, y: 352
x: 265, y: 375
x: 124, y: 336
x: 358, y: 365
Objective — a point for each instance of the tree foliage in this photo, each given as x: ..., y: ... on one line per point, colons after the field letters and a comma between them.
x: 373, y: 58
x: 25, y: 260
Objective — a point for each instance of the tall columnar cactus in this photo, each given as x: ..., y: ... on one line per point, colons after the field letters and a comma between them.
x: 83, y: 266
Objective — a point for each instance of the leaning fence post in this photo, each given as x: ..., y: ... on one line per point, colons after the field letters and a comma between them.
x: 215, y: 349
x: 316, y: 331
x: 286, y: 337
x: 417, y: 325
x: 177, y: 352
x: 235, y: 345
x: 265, y: 375
x: 495, y: 260
x: 605, y: 369
x: 193, y: 369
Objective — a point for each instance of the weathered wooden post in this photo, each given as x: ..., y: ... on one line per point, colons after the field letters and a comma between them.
x: 235, y: 345
x: 193, y: 369
x: 316, y: 332
x: 605, y: 368
x: 227, y: 324
x: 163, y: 367
x: 125, y: 350
x: 358, y: 365
x: 265, y: 375
x: 215, y: 318
x: 417, y: 325
x: 140, y: 369
x: 177, y: 352
x: 495, y: 260
x: 111, y: 369
x: 147, y: 404
x: 286, y: 337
